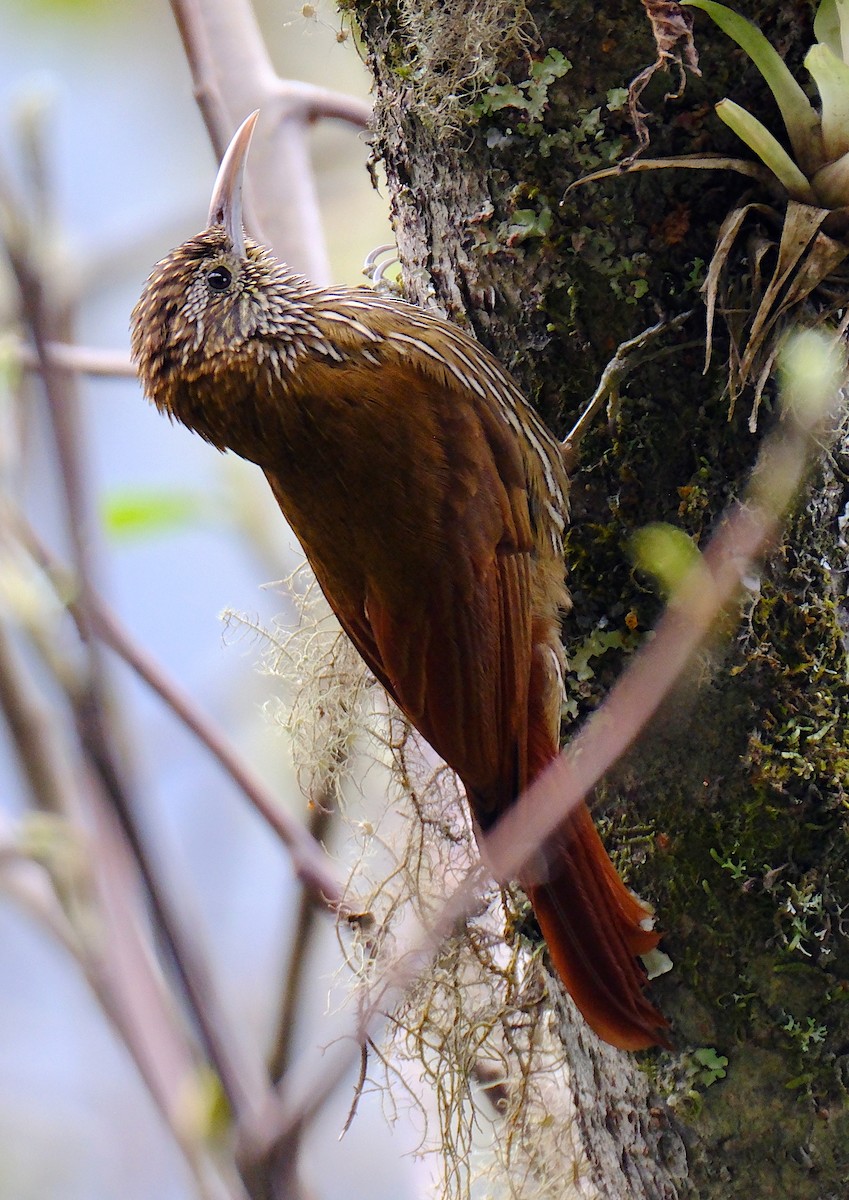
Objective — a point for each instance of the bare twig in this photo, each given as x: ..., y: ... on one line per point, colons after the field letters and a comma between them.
x: 94, y: 712
x: 127, y: 979
x: 188, y: 15
x: 82, y: 360
x: 310, y: 864
x: 125, y: 982
x: 110, y: 949
x: 300, y: 939
x: 34, y: 732
x: 233, y: 75
x: 629, y: 355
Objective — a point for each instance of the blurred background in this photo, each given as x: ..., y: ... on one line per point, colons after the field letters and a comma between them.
x: 131, y: 170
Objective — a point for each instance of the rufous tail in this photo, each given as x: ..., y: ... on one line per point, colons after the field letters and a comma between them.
x: 594, y: 929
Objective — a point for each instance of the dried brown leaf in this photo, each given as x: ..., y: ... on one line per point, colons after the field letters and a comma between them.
x: 673, y: 37
x: 729, y: 231
x: 801, y: 224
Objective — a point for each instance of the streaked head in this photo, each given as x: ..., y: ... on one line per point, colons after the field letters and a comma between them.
x: 213, y: 309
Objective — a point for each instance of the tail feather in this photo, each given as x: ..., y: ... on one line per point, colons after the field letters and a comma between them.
x: 593, y: 928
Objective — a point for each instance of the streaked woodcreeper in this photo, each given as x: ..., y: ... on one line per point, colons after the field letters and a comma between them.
x: 431, y: 502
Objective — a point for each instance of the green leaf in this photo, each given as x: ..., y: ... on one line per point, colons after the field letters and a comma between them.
x: 527, y: 222
x: 502, y: 96
x: 707, y: 1056
x: 827, y: 26
x: 713, y: 1065
x: 10, y: 362
x: 770, y: 151
x: 666, y: 553
x: 530, y: 96
x: 617, y: 98
x: 551, y: 67
x: 831, y: 184
x: 831, y: 27
x: 139, y: 513
x: 543, y: 74
x: 596, y: 643
x: 799, y: 115
x: 831, y: 75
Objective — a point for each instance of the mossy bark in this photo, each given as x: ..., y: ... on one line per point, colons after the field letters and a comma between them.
x: 732, y: 815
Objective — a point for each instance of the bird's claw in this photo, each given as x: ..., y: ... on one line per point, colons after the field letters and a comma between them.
x: 375, y: 270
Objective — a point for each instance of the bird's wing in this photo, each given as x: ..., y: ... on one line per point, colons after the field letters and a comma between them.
x: 455, y: 650
x: 459, y: 668
x: 436, y: 593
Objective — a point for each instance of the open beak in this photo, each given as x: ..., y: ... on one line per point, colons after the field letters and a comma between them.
x: 225, y: 207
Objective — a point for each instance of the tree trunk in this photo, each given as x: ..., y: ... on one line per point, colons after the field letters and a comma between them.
x: 732, y: 816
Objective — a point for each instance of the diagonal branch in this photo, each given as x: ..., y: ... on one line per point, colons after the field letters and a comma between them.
x: 708, y: 593
x: 310, y: 863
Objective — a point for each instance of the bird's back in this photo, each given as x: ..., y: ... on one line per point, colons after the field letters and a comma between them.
x: 433, y: 523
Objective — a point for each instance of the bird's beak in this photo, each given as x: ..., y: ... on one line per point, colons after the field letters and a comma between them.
x: 225, y: 207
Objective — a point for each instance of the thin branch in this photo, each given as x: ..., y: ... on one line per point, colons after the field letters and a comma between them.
x: 188, y: 16
x: 82, y: 360
x: 309, y: 862
x: 131, y: 999
x: 300, y: 101
x: 90, y: 697
x: 629, y: 355
x: 233, y: 75
x: 126, y: 973
x: 300, y: 940
x: 34, y: 732
x: 308, y: 102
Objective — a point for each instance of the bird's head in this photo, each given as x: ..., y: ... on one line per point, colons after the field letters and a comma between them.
x: 215, y: 312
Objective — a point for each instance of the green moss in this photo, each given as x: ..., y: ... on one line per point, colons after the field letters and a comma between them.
x: 529, y: 97
x: 746, y: 867
x: 756, y: 903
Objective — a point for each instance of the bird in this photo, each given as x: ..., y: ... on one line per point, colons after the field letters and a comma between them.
x: 431, y: 502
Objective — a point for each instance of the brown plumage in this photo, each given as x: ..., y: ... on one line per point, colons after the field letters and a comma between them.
x: 430, y: 501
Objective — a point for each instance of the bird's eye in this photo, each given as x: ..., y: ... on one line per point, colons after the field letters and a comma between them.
x: 219, y: 279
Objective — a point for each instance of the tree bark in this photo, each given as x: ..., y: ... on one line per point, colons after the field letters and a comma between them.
x: 732, y: 816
